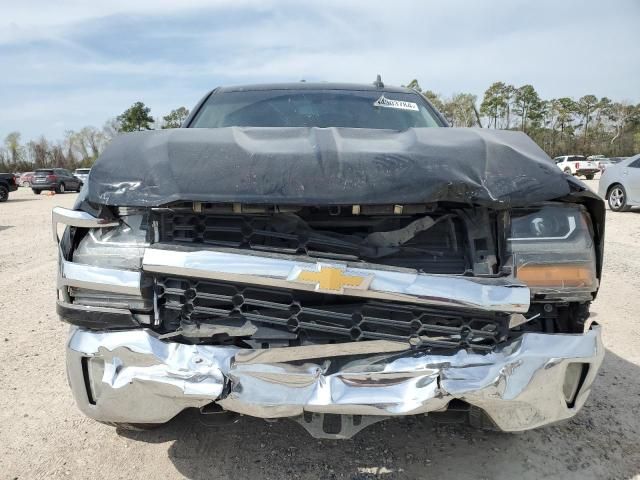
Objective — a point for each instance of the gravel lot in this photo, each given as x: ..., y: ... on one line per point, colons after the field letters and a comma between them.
x: 43, y: 435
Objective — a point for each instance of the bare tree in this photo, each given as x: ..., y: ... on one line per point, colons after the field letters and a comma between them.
x: 461, y: 111
x: 14, y: 149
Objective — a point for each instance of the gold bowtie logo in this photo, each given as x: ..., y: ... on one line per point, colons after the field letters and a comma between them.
x: 333, y: 279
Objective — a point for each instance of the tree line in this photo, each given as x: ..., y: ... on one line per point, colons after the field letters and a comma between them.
x: 80, y: 148
x: 587, y: 125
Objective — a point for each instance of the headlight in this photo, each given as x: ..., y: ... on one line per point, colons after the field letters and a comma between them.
x: 115, y: 247
x: 119, y: 248
x: 552, y: 248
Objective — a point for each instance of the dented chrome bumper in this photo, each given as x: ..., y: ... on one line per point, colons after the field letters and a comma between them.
x: 134, y: 377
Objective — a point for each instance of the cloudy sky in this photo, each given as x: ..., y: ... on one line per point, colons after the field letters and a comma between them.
x: 67, y: 64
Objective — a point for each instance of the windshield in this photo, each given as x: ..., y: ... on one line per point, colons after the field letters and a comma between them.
x: 82, y: 171
x: 315, y: 108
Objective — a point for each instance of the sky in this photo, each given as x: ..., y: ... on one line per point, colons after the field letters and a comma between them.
x: 68, y: 63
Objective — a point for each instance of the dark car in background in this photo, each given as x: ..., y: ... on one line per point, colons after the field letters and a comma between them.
x: 7, y: 184
x: 58, y: 179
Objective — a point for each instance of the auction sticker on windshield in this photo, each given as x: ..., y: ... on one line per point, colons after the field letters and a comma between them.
x: 399, y: 104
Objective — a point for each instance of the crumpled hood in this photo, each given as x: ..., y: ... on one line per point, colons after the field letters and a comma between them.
x: 315, y: 166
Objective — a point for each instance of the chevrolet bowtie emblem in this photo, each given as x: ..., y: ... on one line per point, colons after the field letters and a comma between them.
x: 333, y: 279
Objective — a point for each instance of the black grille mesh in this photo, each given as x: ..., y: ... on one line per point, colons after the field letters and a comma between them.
x: 324, y: 318
x: 437, y: 250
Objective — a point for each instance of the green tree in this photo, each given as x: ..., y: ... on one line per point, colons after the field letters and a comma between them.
x: 585, y: 107
x: 509, y: 94
x: 495, y: 102
x: 559, y: 114
x: 414, y: 85
x: 433, y: 97
x: 135, y: 118
x: 176, y: 118
x: 565, y: 109
x: 603, y: 111
x: 527, y: 105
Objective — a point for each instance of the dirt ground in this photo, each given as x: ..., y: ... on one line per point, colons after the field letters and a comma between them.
x: 43, y: 435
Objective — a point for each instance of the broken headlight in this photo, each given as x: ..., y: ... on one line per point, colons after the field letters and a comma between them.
x: 118, y: 248
x: 552, y: 249
x: 115, y: 247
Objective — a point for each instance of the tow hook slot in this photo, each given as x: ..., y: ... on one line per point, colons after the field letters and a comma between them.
x: 213, y: 415
x: 335, y: 427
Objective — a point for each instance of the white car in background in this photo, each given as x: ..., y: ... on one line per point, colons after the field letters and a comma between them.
x: 82, y: 174
x: 603, y: 164
x: 620, y: 184
x: 577, y: 165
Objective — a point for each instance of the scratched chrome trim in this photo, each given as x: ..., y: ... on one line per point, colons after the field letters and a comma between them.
x: 99, y: 278
x: 76, y: 218
x: 134, y: 377
x: 403, y: 285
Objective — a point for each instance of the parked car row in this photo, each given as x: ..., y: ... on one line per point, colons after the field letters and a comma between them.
x: 587, y: 166
x: 58, y: 179
x: 25, y: 179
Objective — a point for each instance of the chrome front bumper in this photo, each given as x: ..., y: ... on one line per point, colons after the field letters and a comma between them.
x: 133, y: 377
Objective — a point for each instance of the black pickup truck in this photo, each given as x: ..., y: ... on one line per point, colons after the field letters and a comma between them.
x: 333, y: 254
x: 7, y: 184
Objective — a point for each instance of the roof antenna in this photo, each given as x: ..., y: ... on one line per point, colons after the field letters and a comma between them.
x: 378, y: 83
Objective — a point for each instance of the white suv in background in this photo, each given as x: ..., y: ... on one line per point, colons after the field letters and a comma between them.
x: 82, y: 174
x: 577, y: 165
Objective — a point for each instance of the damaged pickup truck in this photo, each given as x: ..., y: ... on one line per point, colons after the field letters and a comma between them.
x: 333, y: 254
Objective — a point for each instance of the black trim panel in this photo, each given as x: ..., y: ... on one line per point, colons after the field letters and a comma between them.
x: 95, y: 318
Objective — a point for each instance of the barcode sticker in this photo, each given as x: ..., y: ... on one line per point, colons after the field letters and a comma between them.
x: 399, y: 104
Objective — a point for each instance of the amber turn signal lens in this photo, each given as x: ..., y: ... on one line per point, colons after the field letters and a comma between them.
x: 556, y: 275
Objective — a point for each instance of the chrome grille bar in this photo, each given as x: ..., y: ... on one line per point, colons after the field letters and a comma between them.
x: 277, y: 270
